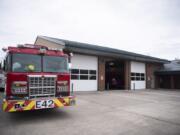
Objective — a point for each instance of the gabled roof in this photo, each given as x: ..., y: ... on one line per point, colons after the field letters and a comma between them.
x: 85, y: 48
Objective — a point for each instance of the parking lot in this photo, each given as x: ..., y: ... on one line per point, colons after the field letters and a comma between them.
x: 144, y: 112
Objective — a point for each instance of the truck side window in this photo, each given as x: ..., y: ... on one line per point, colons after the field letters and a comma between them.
x: 7, y: 63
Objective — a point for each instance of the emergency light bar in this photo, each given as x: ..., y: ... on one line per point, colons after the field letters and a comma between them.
x: 31, y: 46
x: 38, y: 47
x: 55, y: 49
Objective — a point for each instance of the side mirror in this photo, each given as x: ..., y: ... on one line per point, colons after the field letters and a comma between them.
x: 71, y: 54
x: 3, y: 67
x: 69, y: 60
x: 70, y: 65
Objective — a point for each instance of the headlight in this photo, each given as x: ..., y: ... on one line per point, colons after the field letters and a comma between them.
x: 62, y: 86
x: 19, y: 87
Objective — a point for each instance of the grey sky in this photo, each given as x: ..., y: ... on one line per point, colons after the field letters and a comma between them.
x: 148, y: 27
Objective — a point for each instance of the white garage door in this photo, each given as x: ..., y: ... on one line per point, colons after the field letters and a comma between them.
x: 84, y: 73
x: 138, y: 75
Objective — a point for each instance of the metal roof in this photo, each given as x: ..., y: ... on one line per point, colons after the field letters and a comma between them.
x: 85, y: 48
x: 170, y: 68
x: 173, y: 66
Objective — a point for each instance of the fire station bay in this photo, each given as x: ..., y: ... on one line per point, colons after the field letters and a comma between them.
x: 101, y: 68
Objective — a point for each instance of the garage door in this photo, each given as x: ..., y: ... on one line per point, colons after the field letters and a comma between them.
x: 84, y: 73
x: 138, y: 75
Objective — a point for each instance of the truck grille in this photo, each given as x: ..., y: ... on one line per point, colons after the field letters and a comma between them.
x: 42, y: 86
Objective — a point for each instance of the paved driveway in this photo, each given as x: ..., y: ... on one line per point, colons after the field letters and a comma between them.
x: 102, y: 113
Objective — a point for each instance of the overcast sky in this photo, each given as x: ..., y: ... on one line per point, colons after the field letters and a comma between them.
x: 150, y: 27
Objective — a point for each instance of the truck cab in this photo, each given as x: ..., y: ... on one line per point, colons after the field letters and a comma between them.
x: 36, y: 78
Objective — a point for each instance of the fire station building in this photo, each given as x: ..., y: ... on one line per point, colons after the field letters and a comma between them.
x: 102, y: 68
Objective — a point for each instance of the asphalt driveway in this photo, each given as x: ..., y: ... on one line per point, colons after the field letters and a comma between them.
x: 145, y: 112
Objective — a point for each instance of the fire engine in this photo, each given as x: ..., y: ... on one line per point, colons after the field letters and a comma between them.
x: 37, y: 77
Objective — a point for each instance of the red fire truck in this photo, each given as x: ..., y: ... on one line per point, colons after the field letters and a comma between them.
x: 37, y: 77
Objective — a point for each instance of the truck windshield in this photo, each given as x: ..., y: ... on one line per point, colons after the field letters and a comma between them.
x: 54, y: 64
x: 26, y: 63
x: 33, y: 63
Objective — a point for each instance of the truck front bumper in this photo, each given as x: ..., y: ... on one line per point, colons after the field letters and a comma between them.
x: 35, y: 104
